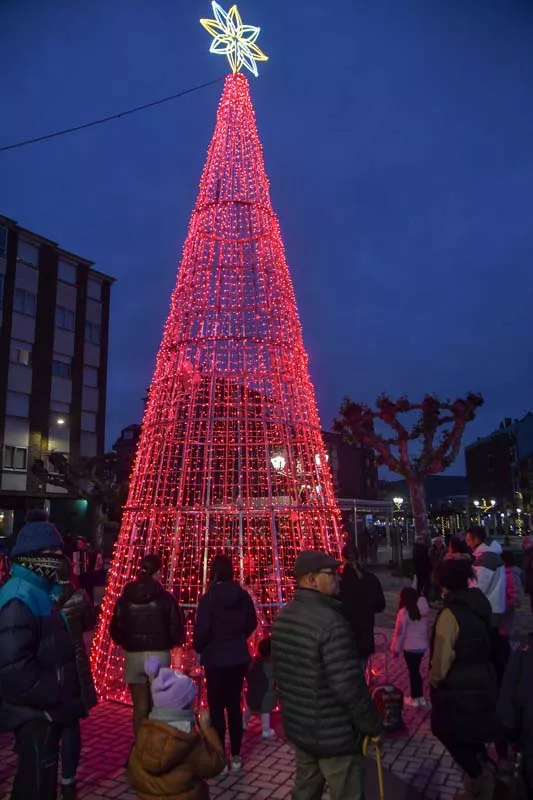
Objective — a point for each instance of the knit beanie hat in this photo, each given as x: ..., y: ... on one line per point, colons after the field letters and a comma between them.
x: 36, y: 536
x: 170, y: 688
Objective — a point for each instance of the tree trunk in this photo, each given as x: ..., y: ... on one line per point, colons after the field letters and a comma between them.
x: 418, y: 505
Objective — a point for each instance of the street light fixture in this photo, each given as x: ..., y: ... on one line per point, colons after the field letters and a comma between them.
x: 483, y: 505
x: 398, y: 502
x: 278, y: 462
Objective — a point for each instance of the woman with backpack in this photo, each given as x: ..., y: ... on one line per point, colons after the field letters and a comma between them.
x: 411, y: 636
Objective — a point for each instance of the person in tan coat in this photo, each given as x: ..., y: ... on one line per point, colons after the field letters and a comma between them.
x: 172, y: 757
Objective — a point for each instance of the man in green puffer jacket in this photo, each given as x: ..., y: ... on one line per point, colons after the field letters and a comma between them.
x: 326, y: 707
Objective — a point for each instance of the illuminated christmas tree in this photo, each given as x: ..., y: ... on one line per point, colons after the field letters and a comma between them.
x: 231, y: 457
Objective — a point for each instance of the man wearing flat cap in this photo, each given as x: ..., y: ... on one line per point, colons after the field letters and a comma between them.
x: 326, y: 707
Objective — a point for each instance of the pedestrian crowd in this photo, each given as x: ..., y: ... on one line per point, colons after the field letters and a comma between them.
x: 313, y: 662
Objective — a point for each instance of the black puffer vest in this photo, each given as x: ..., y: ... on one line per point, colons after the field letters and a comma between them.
x: 464, y: 703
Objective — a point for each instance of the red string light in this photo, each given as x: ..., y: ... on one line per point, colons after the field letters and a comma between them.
x: 231, y: 457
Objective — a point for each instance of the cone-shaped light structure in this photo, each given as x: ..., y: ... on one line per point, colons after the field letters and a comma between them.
x: 231, y: 457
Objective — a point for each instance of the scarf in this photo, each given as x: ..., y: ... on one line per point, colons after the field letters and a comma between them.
x: 45, y: 565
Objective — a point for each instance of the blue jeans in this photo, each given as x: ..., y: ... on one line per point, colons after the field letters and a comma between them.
x: 70, y: 752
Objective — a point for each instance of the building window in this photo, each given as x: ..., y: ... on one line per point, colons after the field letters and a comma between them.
x: 28, y: 253
x: 3, y: 242
x: 90, y: 377
x: 25, y: 302
x: 62, y: 369
x: 65, y: 318
x: 20, y: 353
x: 17, y: 404
x: 88, y: 421
x: 92, y: 332
x: 66, y: 272
x: 15, y: 457
x: 94, y: 289
x: 62, y: 408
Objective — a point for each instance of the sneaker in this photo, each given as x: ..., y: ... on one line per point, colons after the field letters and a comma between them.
x: 268, y: 735
x: 412, y: 702
x: 236, y: 763
x: 423, y: 703
x: 224, y: 773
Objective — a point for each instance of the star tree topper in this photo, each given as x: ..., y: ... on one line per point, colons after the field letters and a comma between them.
x: 233, y: 39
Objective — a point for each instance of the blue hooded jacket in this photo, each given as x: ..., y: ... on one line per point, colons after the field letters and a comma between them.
x: 38, y: 675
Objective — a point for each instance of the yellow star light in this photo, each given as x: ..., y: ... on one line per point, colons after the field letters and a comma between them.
x: 233, y: 39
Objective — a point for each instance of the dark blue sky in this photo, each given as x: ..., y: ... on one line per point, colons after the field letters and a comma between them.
x: 399, y: 141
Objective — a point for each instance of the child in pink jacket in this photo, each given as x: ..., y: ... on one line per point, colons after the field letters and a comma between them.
x: 411, y: 635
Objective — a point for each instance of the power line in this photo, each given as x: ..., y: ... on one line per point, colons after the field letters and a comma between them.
x: 108, y: 119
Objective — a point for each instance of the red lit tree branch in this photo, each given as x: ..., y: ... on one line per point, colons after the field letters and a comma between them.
x: 427, y: 446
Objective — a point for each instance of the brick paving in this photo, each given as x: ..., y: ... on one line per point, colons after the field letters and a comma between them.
x: 416, y: 764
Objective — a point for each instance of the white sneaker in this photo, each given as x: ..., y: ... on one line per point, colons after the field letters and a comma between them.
x: 224, y: 773
x: 411, y: 701
x: 236, y: 763
x: 269, y: 735
x: 423, y: 703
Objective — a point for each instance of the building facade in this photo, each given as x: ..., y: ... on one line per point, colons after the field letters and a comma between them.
x: 54, y: 317
x: 500, y: 466
x: 353, y: 468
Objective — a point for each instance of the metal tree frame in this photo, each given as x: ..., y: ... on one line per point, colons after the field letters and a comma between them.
x: 231, y: 457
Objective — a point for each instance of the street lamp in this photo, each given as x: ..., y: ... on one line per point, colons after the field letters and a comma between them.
x: 278, y: 462
x: 398, y: 502
x: 483, y: 505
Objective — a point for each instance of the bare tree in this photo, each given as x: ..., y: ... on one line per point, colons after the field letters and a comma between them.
x: 426, y: 447
x: 90, y: 479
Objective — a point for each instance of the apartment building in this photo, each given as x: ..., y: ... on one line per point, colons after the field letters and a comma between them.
x: 54, y: 321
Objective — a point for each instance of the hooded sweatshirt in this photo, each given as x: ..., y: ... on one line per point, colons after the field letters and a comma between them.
x: 490, y: 577
x: 225, y: 620
x: 167, y: 763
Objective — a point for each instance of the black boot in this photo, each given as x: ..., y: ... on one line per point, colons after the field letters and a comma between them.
x: 68, y: 791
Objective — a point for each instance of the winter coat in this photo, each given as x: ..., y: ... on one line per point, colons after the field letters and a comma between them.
x: 167, y: 764
x: 260, y: 687
x: 147, y: 618
x: 81, y: 617
x: 421, y: 561
x: 412, y: 634
x: 362, y: 598
x: 225, y: 620
x: 528, y: 571
x: 490, y: 577
x: 514, y: 595
x: 464, y: 687
x: 38, y: 672
x: 515, y: 704
x: 325, y: 703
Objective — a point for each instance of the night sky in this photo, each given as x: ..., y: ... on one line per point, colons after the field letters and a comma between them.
x: 398, y: 137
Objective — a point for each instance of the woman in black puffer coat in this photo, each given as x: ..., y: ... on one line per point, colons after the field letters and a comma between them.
x: 80, y: 617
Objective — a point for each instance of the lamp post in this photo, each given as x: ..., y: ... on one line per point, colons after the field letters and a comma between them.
x: 398, y: 503
x: 483, y: 506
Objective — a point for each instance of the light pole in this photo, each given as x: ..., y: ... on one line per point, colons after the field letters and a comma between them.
x: 398, y: 502
x: 483, y: 506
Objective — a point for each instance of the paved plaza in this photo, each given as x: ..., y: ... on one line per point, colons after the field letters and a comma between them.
x: 416, y: 765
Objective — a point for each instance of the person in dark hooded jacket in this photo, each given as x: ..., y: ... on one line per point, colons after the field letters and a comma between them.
x: 39, y: 686
x: 225, y: 620
x: 362, y: 598
x: 463, y: 682
x: 80, y: 616
x: 515, y: 707
x: 147, y: 620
